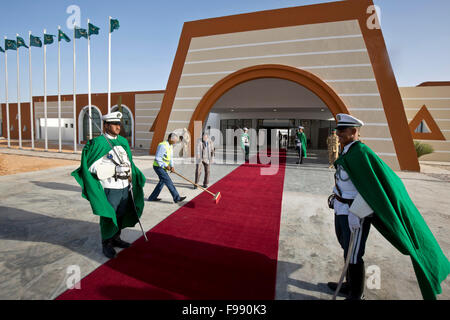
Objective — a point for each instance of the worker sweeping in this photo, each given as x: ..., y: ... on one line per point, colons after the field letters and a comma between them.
x: 106, y: 176
x: 164, y: 163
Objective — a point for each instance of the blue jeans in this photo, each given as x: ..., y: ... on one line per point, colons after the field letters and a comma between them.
x: 164, y: 179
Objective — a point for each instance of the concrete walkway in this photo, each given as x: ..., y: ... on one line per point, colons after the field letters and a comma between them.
x: 45, y: 227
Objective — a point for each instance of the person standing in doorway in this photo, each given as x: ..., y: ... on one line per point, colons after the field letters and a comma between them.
x: 245, y: 144
x: 204, y: 157
x: 300, y: 143
x: 333, y: 148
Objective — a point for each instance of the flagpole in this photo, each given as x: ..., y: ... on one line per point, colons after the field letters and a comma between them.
x: 18, y: 99
x: 59, y: 91
x: 74, y: 95
x: 89, y: 82
x: 109, y: 67
x: 6, y: 98
x: 31, y: 94
x: 45, y: 93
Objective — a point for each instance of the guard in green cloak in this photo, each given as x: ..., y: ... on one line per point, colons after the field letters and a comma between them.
x: 105, y: 183
x: 300, y: 144
x: 394, y: 214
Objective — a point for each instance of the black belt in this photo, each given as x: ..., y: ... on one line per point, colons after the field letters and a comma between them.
x: 347, y: 201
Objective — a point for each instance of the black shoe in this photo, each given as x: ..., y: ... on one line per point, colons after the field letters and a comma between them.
x: 119, y: 243
x: 345, y: 288
x: 157, y: 199
x: 195, y: 187
x: 205, y: 186
x: 357, y: 277
x: 181, y: 199
x: 108, y: 249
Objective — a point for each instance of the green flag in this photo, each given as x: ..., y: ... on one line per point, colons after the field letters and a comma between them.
x: 80, y: 33
x: 48, y: 38
x: 35, y: 41
x: 1, y: 49
x: 114, y: 25
x: 62, y: 35
x: 21, y: 43
x: 10, y: 45
x: 93, y: 29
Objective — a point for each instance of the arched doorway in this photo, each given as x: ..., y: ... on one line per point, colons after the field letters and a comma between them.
x: 83, y: 123
x: 301, y: 77
x: 128, y: 123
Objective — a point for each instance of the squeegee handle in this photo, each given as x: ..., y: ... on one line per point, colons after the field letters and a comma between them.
x: 194, y: 183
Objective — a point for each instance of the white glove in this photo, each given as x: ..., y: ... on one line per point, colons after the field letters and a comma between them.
x: 353, y: 222
x: 123, y: 169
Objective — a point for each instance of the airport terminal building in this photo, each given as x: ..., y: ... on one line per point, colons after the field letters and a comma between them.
x: 275, y: 70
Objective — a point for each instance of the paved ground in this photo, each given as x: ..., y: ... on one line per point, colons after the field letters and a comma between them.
x: 45, y: 226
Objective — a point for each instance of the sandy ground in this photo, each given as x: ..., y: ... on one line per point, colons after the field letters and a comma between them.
x: 12, y: 164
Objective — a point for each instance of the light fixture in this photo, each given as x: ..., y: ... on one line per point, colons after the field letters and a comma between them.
x: 322, y: 110
x: 274, y: 110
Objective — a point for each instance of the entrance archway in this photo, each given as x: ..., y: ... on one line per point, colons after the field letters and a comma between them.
x: 301, y: 77
x: 83, y: 123
x: 128, y: 123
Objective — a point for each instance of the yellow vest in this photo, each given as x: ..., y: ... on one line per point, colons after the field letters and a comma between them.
x: 167, y: 157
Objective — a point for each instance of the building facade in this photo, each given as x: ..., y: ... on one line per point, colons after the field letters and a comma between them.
x: 278, y: 69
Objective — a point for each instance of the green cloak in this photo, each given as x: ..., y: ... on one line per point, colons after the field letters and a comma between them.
x: 302, y: 137
x: 93, y: 191
x: 396, y: 217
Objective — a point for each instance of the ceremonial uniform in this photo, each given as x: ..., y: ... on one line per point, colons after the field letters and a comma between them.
x: 333, y: 148
x: 368, y: 192
x: 113, y: 204
x: 300, y: 145
x: 245, y: 144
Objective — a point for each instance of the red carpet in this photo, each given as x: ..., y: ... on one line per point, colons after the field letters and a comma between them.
x: 203, y: 250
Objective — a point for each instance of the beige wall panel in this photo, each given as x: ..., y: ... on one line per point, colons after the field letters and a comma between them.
x: 362, y: 101
x: 380, y: 146
x: 443, y: 125
x: 191, y: 92
x: 423, y: 92
x: 149, y: 97
x: 143, y: 106
x: 141, y: 113
x: 343, y: 73
x: 171, y: 126
x: 375, y: 132
x: 202, y: 79
x: 143, y: 127
x: 437, y: 114
x: 278, y: 48
x: 354, y: 87
x: 179, y: 116
x: 323, y: 73
x: 185, y: 104
x: 295, y: 61
x: 369, y: 116
x: 429, y: 103
x: 350, y: 27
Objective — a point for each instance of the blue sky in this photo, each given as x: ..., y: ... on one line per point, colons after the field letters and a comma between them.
x: 417, y: 34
